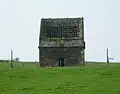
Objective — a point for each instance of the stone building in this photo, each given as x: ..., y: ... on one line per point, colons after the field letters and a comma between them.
x: 61, y: 42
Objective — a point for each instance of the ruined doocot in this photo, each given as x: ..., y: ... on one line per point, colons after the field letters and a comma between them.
x: 61, y: 42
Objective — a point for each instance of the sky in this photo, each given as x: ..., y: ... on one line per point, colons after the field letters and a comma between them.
x: 20, y: 26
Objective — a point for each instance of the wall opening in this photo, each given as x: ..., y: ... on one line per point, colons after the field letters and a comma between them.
x: 61, y: 62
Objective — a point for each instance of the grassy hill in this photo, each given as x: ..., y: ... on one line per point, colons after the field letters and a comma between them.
x: 95, y: 78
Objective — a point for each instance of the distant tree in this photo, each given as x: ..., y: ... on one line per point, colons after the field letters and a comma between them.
x: 17, y: 59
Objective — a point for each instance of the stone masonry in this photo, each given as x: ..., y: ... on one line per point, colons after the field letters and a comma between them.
x: 61, y: 42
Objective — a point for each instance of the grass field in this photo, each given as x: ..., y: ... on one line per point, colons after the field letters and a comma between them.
x: 92, y: 79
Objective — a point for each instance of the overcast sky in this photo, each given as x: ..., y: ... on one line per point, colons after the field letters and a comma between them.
x: 19, y: 25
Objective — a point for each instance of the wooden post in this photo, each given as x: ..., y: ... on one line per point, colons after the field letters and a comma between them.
x: 11, y: 63
x: 107, y: 56
x: 23, y: 64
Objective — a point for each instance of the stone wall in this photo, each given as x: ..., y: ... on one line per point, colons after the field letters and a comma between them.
x: 50, y: 56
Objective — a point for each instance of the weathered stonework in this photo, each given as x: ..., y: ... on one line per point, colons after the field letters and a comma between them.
x: 61, y: 42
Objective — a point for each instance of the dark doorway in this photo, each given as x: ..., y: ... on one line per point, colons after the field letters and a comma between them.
x: 61, y: 62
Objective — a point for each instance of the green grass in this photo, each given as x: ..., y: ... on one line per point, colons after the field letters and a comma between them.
x: 92, y: 79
